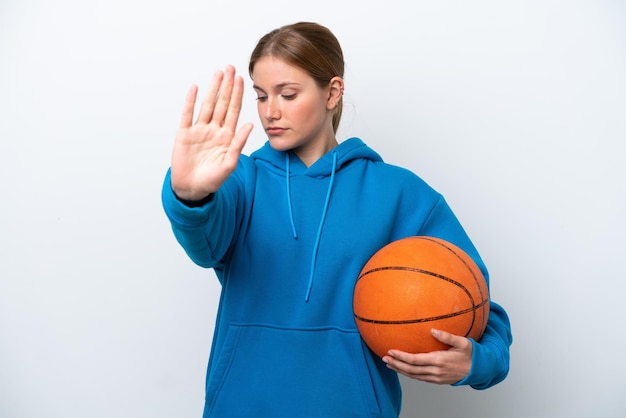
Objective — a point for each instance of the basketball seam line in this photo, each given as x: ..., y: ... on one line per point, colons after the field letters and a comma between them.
x: 476, y: 279
x: 417, y: 321
x: 429, y: 273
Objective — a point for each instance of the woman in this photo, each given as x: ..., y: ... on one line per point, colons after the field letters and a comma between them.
x: 288, y: 230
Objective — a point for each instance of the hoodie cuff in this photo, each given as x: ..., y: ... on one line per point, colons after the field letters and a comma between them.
x: 488, y: 366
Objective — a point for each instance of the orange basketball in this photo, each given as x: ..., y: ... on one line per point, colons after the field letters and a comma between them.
x: 413, y: 285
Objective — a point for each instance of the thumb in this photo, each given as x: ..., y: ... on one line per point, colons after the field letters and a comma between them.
x: 447, y: 338
x: 239, y: 141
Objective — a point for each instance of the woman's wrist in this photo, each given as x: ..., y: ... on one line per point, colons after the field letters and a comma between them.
x: 194, y: 203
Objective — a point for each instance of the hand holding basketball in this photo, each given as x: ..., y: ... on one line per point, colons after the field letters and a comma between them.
x: 441, y: 367
x: 206, y: 152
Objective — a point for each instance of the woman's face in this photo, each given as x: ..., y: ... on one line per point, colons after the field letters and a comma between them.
x: 295, y: 112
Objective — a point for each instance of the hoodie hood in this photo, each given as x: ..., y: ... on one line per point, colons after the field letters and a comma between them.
x: 347, y: 151
x: 327, y: 166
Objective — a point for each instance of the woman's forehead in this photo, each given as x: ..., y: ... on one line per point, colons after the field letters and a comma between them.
x: 274, y: 73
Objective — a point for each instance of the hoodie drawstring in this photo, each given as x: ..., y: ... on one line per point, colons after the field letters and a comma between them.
x: 288, y: 176
x: 321, y: 225
x: 319, y: 229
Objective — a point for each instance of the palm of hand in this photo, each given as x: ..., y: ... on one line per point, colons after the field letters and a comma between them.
x: 206, y: 153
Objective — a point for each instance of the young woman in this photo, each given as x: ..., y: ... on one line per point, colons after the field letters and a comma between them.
x: 288, y: 230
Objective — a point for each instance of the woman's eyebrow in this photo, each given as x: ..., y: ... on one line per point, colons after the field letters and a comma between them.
x: 277, y: 86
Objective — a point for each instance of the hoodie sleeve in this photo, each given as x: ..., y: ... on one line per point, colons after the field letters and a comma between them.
x: 490, y: 355
x: 206, y: 232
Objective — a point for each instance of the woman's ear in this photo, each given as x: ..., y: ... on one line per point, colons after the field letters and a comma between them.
x: 335, y: 92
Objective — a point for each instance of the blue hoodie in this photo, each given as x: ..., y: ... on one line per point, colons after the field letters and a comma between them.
x: 287, y: 243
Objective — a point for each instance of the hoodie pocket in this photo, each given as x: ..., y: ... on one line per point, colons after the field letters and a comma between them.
x: 266, y: 371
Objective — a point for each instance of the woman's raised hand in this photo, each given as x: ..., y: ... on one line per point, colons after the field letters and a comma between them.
x: 206, y: 152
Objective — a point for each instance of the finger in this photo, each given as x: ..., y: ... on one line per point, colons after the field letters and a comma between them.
x: 208, y: 103
x: 425, y: 374
x: 422, y: 367
x: 413, y: 368
x: 449, y: 339
x: 224, y: 95
x: 234, y: 107
x: 238, y: 142
x: 190, y: 102
x: 421, y: 359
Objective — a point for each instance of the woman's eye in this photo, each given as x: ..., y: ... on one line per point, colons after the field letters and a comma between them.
x: 289, y: 96
x: 261, y: 98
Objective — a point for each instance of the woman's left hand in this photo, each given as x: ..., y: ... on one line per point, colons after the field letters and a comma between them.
x: 441, y: 367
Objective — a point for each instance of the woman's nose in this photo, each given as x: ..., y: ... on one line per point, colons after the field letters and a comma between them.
x: 272, y: 110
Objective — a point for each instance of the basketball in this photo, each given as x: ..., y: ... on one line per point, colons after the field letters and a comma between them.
x: 413, y: 285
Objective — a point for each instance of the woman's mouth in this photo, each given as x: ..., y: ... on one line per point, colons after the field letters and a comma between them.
x: 274, y: 130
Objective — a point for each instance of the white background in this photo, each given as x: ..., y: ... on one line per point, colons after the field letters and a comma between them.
x: 514, y: 110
